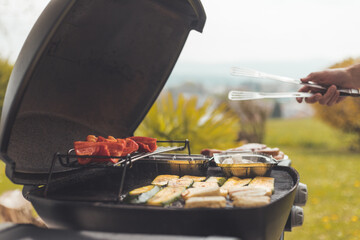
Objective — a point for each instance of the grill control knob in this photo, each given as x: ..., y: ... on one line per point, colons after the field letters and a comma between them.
x: 297, y: 216
x: 301, y: 195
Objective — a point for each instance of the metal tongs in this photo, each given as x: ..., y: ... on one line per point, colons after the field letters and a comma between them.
x: 242, y: 95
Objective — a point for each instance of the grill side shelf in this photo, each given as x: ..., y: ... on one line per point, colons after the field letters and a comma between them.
x: 70, y: 160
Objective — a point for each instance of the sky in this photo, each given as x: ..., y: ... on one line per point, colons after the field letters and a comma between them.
x: 319, y: 31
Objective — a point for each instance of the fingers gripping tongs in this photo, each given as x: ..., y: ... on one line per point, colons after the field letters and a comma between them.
x: 235, y: 71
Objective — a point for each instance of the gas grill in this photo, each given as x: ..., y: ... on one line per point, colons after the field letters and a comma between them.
x: 96, y: 67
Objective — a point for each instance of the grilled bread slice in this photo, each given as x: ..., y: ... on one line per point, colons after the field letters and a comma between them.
x: 162, y: 180
x: 205, y: 184
x: 250, y: 201
x: 166, y: 196
x: 195, y: 178
x: 206, y: 202
x: 266, y: 182
x: 180, y: 182
x: 219, y: 180
x: 201, y: 192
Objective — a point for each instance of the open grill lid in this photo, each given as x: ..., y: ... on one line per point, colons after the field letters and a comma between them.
x: 88, y: 67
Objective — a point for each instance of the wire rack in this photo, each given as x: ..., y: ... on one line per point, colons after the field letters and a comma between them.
x: 70, y: 160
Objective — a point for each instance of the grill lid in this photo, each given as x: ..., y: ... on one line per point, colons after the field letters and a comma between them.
x: 88, y: 67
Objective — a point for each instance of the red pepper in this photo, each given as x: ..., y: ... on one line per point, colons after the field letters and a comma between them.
x: 146, y: 144
x: 131, y: 146
x: 85, y: 148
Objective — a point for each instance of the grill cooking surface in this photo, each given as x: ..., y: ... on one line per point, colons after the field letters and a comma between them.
x: 103, y: 184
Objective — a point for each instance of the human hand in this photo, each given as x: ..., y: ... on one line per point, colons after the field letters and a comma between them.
x: 333, y: 79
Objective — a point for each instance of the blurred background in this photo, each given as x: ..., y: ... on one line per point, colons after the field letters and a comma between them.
x: 289, y: 38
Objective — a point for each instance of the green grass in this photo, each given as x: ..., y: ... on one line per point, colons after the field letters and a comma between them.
x: 5, y: 183
x: 321, y: 156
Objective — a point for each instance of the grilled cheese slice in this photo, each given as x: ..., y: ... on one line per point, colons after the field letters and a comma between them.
x: 243, y: 191
x: 266, y: 182
x: 206, y: 202
x: 205, y: 184
x: 250, y: 201
x: 201, y: 192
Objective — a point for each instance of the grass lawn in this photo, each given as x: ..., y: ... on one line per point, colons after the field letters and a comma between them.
x: 331, y: 172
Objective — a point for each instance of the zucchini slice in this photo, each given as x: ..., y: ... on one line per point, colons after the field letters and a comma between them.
x: 195, y: 178
x: 162, y: 180
x: 166, y: 196
x: 142, y: 195
x: 219, y: 180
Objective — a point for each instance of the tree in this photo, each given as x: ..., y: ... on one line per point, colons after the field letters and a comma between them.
x: 345, y: 115
x: 5, y: 71
x: 205, y: 124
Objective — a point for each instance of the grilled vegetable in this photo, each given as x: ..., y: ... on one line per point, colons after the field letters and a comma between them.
x: 206, y: 202
x: 180, y: 183
x: 142, y: 195
x: 266, y: 182
x: 162, y: 180
x: 231, y: 182
x: 219, y: 180
x: 201, y: 192
x: 166, y: 196
x: 235, y: 181
x: 205, y: 184
x: 195, y: 178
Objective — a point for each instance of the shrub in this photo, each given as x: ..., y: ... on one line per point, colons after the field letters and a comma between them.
x: 203, y: 123
x: 345, y: 115
x: 5, y: 71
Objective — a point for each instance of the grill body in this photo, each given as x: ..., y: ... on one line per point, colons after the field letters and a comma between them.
x: 91, y: 205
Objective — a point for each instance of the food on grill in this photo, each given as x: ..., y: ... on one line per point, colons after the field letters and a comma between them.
x: 250, y: 147
x: 146, y: 144
x: 98, y: 149
x: 130, y: 147
x: 219, y: 180
x: 206, y: 202
x: 205, y: 184
x: 142, y: 195
x: 251, y: 201
x: 266, y: 182
x: 166, y: 196
x: 201, y: 192
x: 242, y: 191
x: 100, y: 146
x: 195, y: 178
x: 269, y: 151
x: 180, y: 183
x: 162, y: 180
x: 233, y: 181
